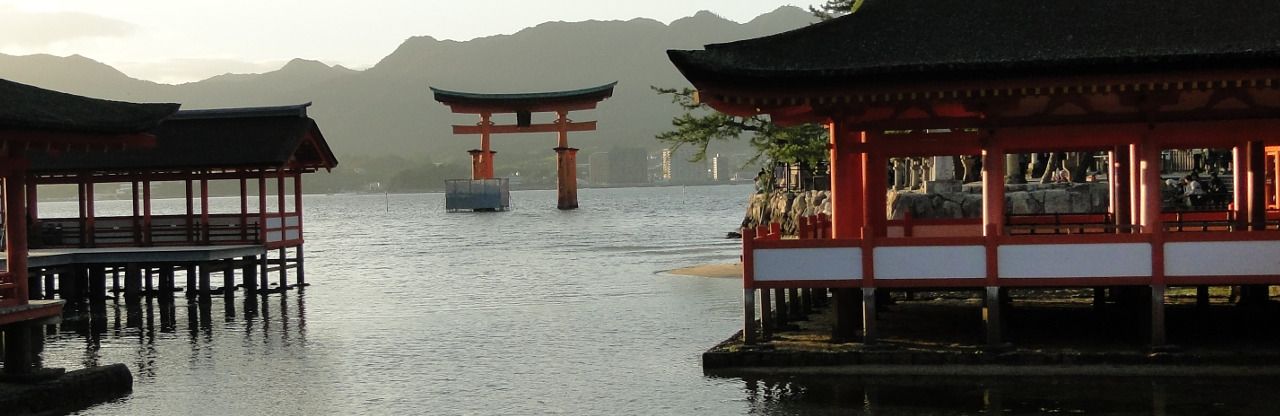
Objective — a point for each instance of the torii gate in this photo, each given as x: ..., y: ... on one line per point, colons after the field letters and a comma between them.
x: 523, y: 106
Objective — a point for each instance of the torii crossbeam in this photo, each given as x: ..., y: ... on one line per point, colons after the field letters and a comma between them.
x: 523, y: 106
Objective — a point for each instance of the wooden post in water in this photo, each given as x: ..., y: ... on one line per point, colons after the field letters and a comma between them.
x: 749, y: 311
x: 1202, y: 296
x: 284, y: 273
x: 991, y: 316
x: 97, y: 284
x: 249, y: 274
x: 796, y: 304
x: 206, y: 289
x: 766, y: 315
x: 132, y: 281
x: 780, y: 299
x: 192, y: 287
x: 868, y: 315
x: 229, y: 279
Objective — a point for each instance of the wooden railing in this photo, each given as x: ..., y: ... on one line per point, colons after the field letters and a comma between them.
x: 1060, y: 224
x: 281, y: 230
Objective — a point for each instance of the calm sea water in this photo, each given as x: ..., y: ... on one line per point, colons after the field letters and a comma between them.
x: 533, y: 311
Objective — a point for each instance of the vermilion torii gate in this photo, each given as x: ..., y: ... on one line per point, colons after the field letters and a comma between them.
x: 523, y: 106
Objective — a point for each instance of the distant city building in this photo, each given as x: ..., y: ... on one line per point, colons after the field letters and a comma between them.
x: 716, y: 166
x: 628, y: 166
x: 619, y: 167
x: 676, y: 167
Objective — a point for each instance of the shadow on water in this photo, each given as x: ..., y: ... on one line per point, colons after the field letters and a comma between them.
x: 880, y: 395
x: 145, y: 322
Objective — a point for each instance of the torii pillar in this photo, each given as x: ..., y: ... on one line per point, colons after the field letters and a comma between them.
x: 523, y: 106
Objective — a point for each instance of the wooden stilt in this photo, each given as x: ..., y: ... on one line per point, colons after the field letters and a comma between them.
x: 781, y: 311
x: 846, y: 327
x: 992, y: 318
x: 869, y: 315
x: 1157, y: 316
x: 299, y: 261
x: 766, y: 315
x: 796, y: 304
x: 284, y: 273
x: 205, y: 288
x: 1202, y: 296
x: 749, y: 328
x: 192, y: 287
x: 18, y: 356
x: 229, y: 279
x: 97, y: 284
x: 132, y: 281
x: 249, y: 274
x: 148, y: 285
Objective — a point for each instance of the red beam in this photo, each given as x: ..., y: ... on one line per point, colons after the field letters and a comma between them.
x: 536, y: 128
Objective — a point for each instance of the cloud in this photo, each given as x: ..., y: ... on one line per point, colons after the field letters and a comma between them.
x: 27, y: 29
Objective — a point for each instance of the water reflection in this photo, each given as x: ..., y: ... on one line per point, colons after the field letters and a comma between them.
x: 142, y: 324
x: 820, y: 395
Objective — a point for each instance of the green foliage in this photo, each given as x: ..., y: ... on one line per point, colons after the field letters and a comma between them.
x: 799, y: 144
x: 833, y: 8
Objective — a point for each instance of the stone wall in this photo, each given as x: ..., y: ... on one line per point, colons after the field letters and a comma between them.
x: 939, y: 202
x: 1020, y: 199
x: 785, y: 207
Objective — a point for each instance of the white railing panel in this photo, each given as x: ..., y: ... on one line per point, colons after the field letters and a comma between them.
x: 930, y: 262
x: 273, y: 222
x: 291, y: 221
x: 792, y: 264
x: 292, y: 235
x: 1075, y: 260
x: 1222, y: 258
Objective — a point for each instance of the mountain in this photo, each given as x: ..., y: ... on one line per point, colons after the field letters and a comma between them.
x: 388, y: 109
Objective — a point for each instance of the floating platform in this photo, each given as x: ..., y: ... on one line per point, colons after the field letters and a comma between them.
x: 477, y: 194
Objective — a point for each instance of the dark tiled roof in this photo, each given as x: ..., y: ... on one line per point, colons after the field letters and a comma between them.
x: 524, y: 99
x: 212, y: 139
x: 24, y: 107
x: 910, y: 40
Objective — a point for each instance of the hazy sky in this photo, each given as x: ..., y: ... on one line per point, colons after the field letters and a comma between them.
x: 178, y: 41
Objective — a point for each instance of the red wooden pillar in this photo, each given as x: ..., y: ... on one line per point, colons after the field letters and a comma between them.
x: 33, y: 202
x: 1118, y: 178
x: 280, y: 194
x: 846, y: 182
x: 1152, y: 201
x: 875, y: 183
x: 566, y: 165
x: 1257, y: 178
x: 297, y: 200
x: 204, y: 208
x: 244, y: 206
x: 190, y: 219
x: 146, y: 211
x: 1135, y: 184
x: 993, y: 210
x: 15, y: 223
x: 136, y: 220
x: 484, y: 169
x: 477, y: 164
x: 90, y: 223
x: 1240, y: 185
x: 993, y: 219
x: 84, y: 215
x: 262, y: 211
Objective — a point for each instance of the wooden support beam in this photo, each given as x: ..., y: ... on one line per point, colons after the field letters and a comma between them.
x: 536, y: 128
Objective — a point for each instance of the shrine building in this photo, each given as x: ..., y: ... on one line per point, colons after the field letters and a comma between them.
x: 1128, y: 79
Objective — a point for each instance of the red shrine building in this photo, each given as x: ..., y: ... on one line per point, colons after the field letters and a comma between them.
x: 1131, y: 80
x: 35, y: 121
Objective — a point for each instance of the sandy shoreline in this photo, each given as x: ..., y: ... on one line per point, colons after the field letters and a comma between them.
x: 720, y: 271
